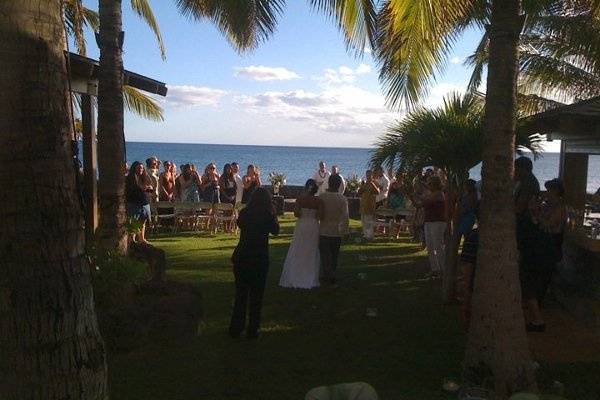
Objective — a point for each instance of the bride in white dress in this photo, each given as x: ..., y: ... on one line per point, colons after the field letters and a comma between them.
x: 302, y: 263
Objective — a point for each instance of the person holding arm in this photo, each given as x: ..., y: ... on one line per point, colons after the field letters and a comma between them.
x: 210, y: 187
x: 251, y: 182
x: 302, y: 262
x: 251, y: 262
x: 227, y: 185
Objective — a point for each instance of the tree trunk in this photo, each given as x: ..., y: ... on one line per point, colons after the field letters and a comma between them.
x: 112, y: 234
x: 452, y: 242
x: 50, y: 346
x: 497, y: 343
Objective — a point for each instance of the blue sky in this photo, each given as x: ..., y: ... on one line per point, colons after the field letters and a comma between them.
x: 299, y: 88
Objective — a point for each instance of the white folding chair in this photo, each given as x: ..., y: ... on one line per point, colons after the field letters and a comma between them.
x: 224, y: 215
x: 384, y: 220
x: 204, y: 215
x: 163, y: 214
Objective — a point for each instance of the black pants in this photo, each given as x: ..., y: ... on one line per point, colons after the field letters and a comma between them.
x: 329, y: 247
x: 250, y: 284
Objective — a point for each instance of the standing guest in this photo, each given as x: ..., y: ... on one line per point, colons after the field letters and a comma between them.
x: 467, y: 208
x: 527, y: 190
x: 435, y: 217
x: 251, y: 262
x: 153, y: 164
x: 383, y: 182
x: 397, y: 202
x: 251, y: 182
x: 138, y: 189
x: 336, y: 171
x: 418, y: 195
x: 239, y: 183
x: 227, y: 185
x: 368, y: 194
x: 166, y: 183
x: 210, y: 188
x: 468, y: 261
x: 322, y: 177
x: 550, y: 216
x: 334, y: 225
x: 187, y: 184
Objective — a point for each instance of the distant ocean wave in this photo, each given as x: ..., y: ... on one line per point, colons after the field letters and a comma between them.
x: 300, y: 163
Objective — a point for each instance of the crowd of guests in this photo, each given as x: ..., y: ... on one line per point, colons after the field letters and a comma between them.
x: 540, y: 222
x: 145, y: 185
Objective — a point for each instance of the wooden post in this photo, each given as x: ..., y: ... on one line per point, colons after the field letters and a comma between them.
x: 574, y: 170
x: 90, y: 166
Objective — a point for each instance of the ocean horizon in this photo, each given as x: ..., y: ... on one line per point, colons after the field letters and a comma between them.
x: 299, y: 163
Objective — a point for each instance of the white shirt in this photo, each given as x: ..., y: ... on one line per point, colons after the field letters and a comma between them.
x: 322, y: 180
x: 342, y: 188
x: 335, y: 215
x: 384, y: 188
x: 239, y: 190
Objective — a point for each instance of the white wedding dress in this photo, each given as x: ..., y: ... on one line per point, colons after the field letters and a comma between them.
x: 302, y: 263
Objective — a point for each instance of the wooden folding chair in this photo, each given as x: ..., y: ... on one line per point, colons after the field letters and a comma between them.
x: 224, y: 215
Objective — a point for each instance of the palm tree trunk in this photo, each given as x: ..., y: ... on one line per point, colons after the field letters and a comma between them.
x: 453, y: 243
x: 497, y: 343
x: 111, y: 139
x: 50, y: 346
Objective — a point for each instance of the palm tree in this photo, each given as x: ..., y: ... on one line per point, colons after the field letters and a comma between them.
x: 434, y: 137
x: 112, y: 95
x: 50, y: 345
x: 245, y: 24
x: 559, y: 57
x: 78, y: 17
x: 414, y: 40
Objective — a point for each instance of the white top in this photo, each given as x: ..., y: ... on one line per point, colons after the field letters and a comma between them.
x: 342, y: 188
x: 384, y: 188
x: 322, y: 179
x: 335, y: 215
x: 239, y: 190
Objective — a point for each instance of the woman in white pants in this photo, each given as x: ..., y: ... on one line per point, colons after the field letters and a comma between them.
x: 434, y: 206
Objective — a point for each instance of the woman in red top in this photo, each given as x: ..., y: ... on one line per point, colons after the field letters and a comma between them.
x: 434, y: 205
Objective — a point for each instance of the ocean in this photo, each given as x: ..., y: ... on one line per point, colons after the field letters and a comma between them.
x: 300, y: 163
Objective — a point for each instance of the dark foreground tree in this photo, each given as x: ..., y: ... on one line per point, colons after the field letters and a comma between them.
x: 414, y: 41
x: 112, y: 234
x: 50, y: 347
x: 497, y: 341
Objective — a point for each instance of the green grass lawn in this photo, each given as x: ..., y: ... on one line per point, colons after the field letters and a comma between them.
x: 309, y: 338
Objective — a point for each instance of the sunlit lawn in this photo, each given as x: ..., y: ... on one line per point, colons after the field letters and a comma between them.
x: 309, y: 338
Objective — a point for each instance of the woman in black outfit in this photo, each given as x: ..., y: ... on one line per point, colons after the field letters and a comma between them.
x: 227, y: 185
x: 251, y: 262
x: 210, y: 184
x: 251, y: 181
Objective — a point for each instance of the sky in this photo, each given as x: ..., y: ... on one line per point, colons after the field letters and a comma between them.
x: 300, y: 88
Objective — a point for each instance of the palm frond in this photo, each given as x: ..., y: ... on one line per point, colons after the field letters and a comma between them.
x: 530, y: 104
x: 245, y: 24
x: 478, y: 61
x: 550, y: 77
x: 413, y: 42
x: 355, y: 18
x: 141, y: 104
x: 435, y: 137
x: 92, y: 19
x: 143, y: 10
